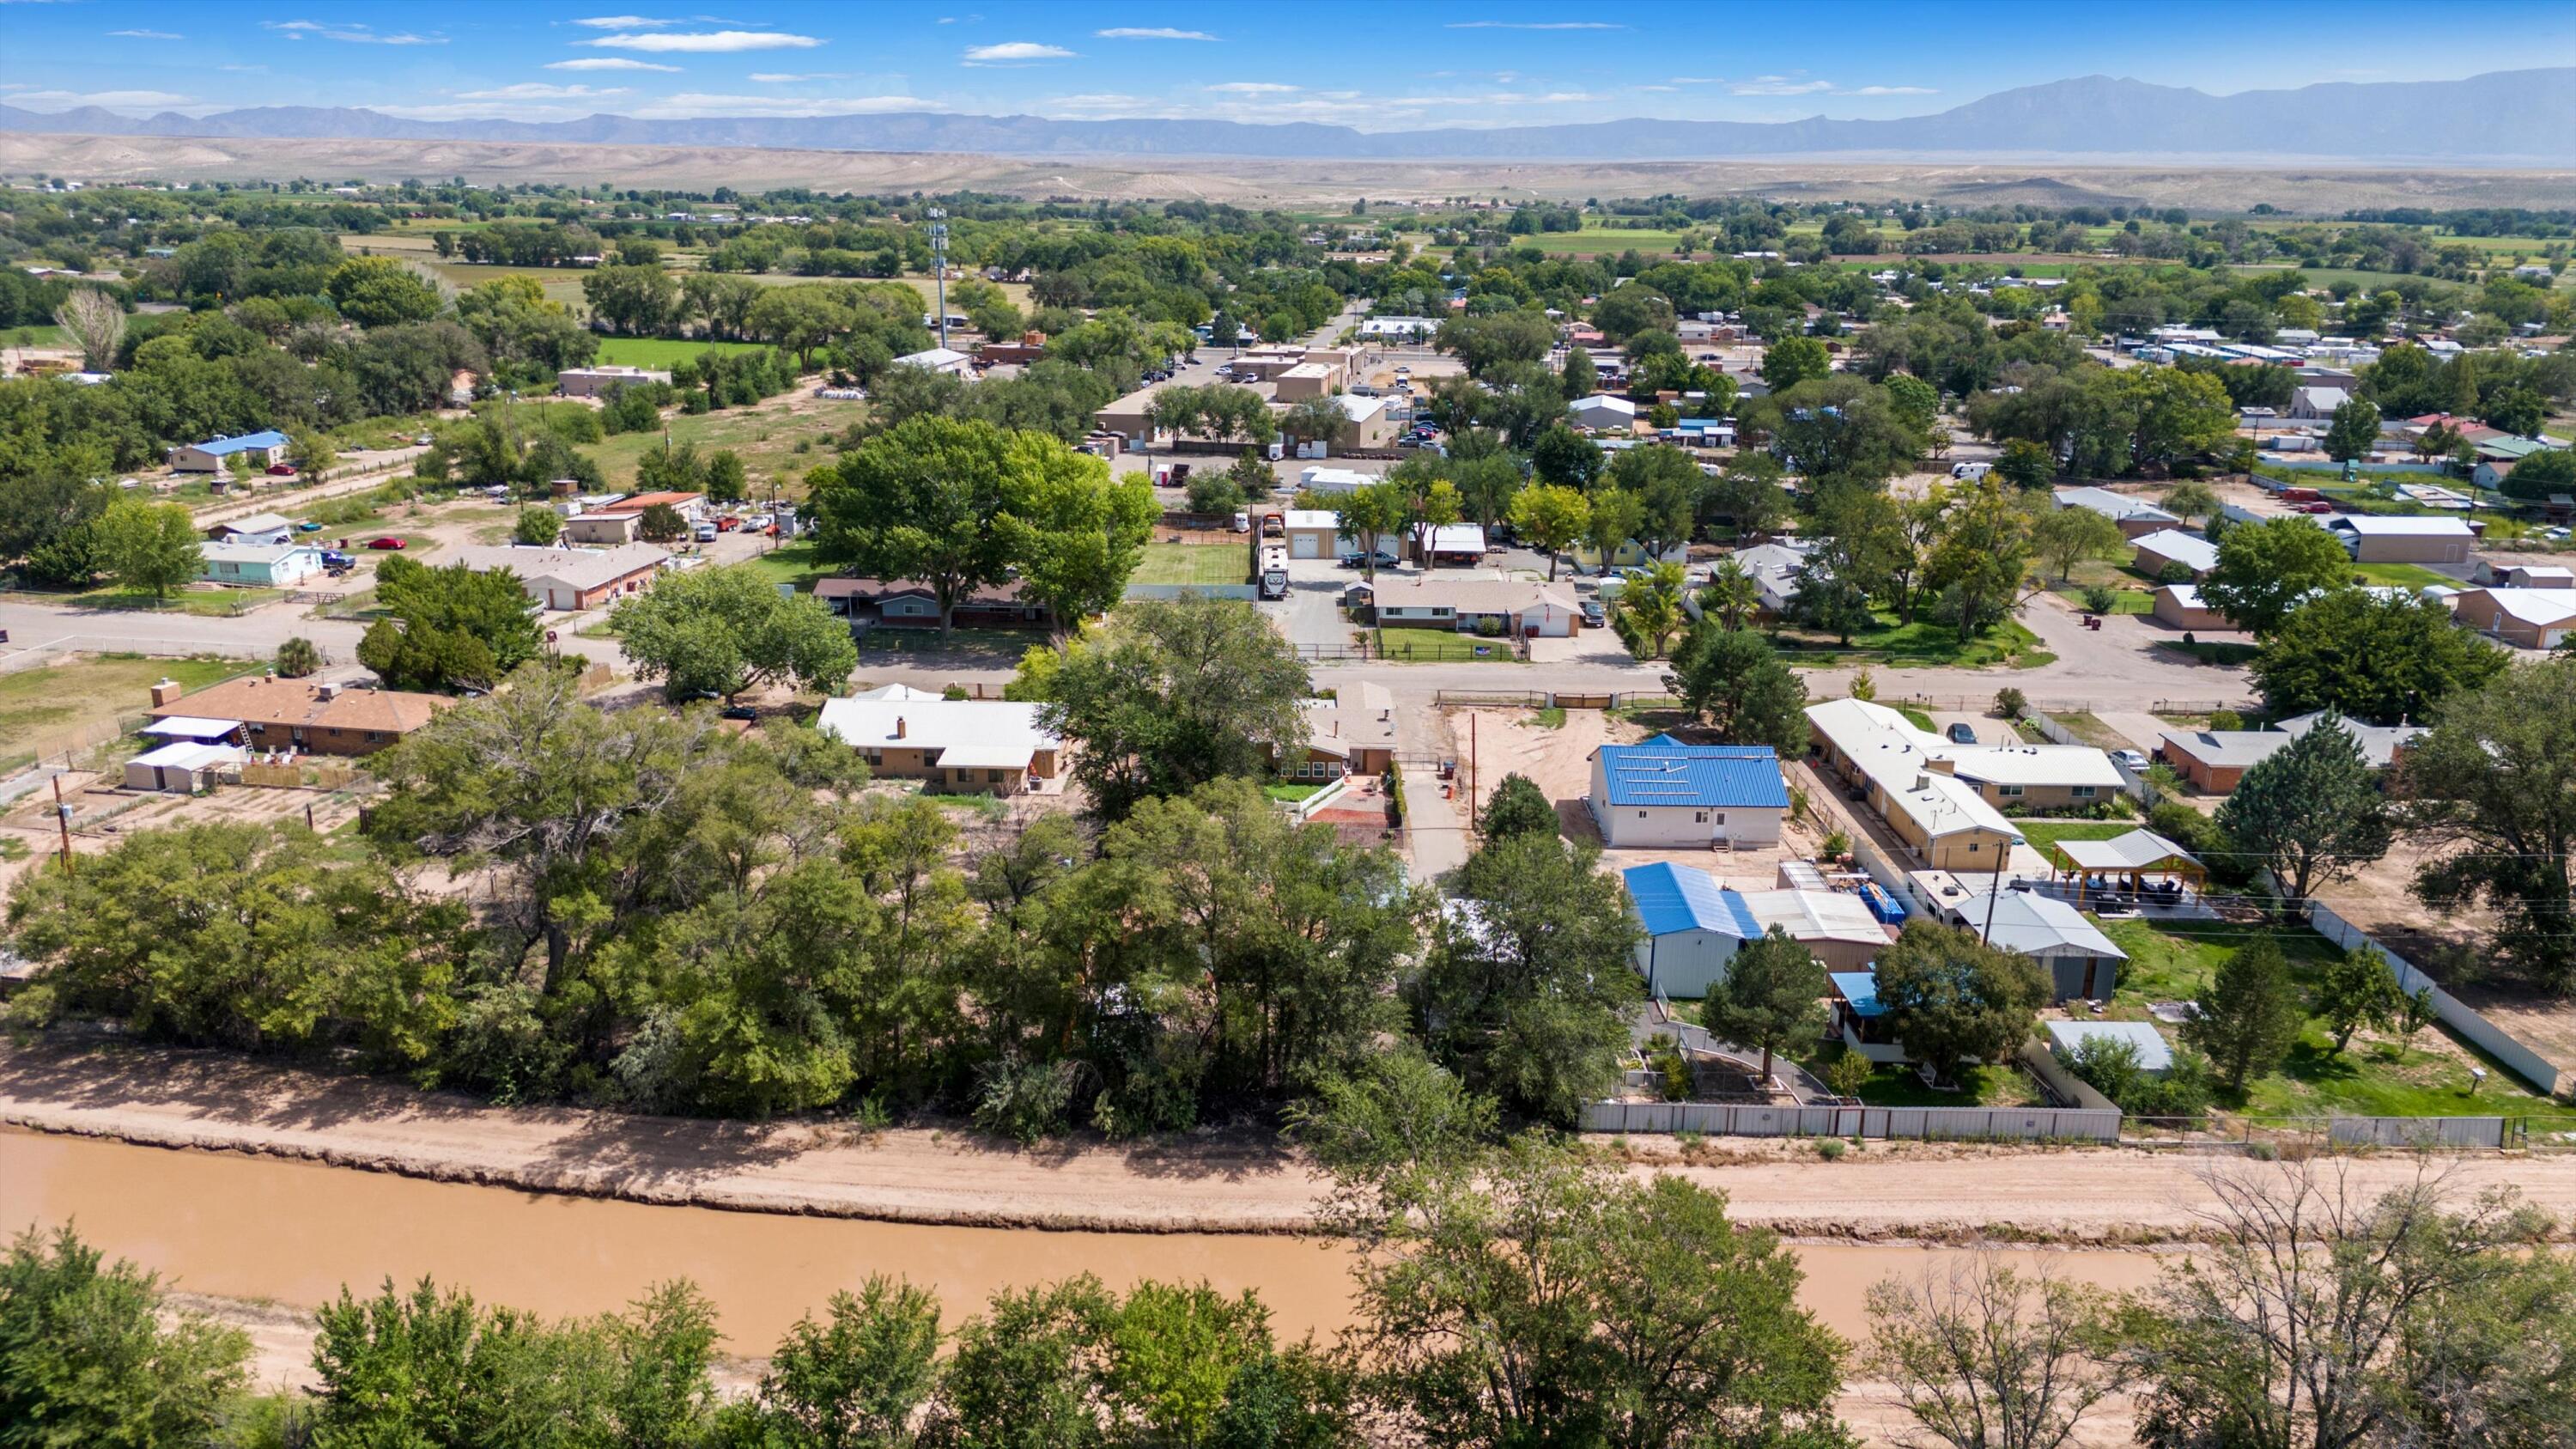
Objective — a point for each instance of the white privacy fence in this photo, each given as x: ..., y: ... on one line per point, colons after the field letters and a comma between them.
x: 2490, y: 1038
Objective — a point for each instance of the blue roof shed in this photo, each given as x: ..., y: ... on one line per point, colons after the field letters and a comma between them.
x: 1672, y: 898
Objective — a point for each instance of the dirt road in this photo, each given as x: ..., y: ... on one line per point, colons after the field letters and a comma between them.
x: 1210, y: 1183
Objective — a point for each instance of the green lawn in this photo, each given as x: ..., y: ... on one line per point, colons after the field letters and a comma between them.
x: 1601, y: 241
x: 2043, y: 835
x: 2123, y: 600
x: 56, y: 697
x: 662, y: 351
x: 1918, y: 719
x: 212, y: 604
x: 2402, y: 575
x: 2174, y: 960
x: 1193, y: 563
x: 793, y: 563
x: 48, y: 335
x: 1923, y: 643
x: 1439, y: 646
x: 1290, y: 792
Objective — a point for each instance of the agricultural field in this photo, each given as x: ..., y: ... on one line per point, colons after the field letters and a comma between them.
x: 1599, y: 241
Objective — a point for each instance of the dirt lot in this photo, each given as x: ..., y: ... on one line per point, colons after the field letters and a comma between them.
x: 104, y: 814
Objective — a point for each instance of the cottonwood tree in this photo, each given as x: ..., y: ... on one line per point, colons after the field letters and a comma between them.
x: 2354, y: 430
x: 723, y: 631
x: 923, y: 500
x: 94, y: 322
x: 2065, y: 537
x: 1074, y: 535
x: 1370, y: 514
x: 1771, y: 998
x: 2266, y: 569
x: 148, y: 548
x: 1668, y: 487
x: 449, y: 626
x: 2385, y: 660
x: 2493, y: 789
x: 1549, y: 518
x: 1985, y: 1357
x: 2311, y: 812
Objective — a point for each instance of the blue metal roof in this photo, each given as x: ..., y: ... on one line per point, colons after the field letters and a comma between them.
x: 270, y: 438
x: 1674, y: 898
x: 1860, y: 988
x: 1664, y: 771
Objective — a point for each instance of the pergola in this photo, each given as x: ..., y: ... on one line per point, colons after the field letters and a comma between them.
x: 2134, y: 857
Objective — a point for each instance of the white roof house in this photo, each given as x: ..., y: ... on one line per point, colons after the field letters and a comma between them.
x: 2188, y: 549
x: 1603, y: 411
x: 1894, y: 756
x: 903, y: 692
x: 1333, y: 480
x: 2153, y: 1055
x: 565, y: 578
x: 977, y: 734
x: 2356, y: 526
x: 2118, y: 507
x: 1310, y: 518
x: 1774, y: 568
x: 939, y: 359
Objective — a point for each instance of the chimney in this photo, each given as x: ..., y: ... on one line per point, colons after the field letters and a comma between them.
x: 898, y: 727
x: 165, y: 692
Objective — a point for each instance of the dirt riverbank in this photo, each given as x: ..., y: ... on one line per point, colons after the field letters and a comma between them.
x: 1199, y: 1183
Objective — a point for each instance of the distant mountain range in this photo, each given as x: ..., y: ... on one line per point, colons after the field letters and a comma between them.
x: 2509, y: 118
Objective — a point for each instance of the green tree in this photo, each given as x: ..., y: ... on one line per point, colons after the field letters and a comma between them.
x: 1955, y: 1001
x: 1983, y: 1357
x: 380, y: 291
x: 2519, y: 411
x: 2025, y: 465
x: 1771, y: 998
x: 90, y: 1354
x: 1021, y: 1377
x: 448, y: 626
x: 1790, y: 361
x: 2311, y: 812
x: 1616, y: 517
x: 2354, y: 430
x: 538, y: 527
x: 856, y: 1381
x: 1976, y: 565
x: 2249, y: 1016
x: 1566, y: 458
x: 663, y: 523
x: 1732, y: 595
x: 636, y: 301
x: 1074, y: 535
x: 1517, y: 807
x: 148, y: 548
x: 1371, y: 513
x: 1668, y: 487
x: 922, y: 500
x: 2492, y: 793
x: 2536, y: 477
x: 2065, y: 537
x: 2192, y: 501
x: 1649, y: 611
x: 2381, y: 659
x: 2357, y: 989
x: 727, y: 630
x: 296, y: 658
x: 725, y: 480
x: 2267, y: 569
x: 1733, y: 681
x: 1179, y: 692
x: 1551, y: 519
x: 1172, y: 1355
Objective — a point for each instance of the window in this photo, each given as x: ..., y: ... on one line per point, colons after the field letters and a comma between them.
x: 995, y: 777
x: 1700, y: 816
x: 1641, y: 814
x: 2008, y: 792
x: 2082, y: 792
x: 873, y: 757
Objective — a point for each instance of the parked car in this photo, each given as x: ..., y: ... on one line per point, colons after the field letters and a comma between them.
x: 1593, y: 615
x: 706, y: 533
x: 2130, y: 760
x: 387, y: 542
x: 332, y: 558
x: 281, y: 470
x: 1354, y: 558
x: 308, y: 526
x: 1242, y: 523
x: 1962, y: 733
x: 739, y: 711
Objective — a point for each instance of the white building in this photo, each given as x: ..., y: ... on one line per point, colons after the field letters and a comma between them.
x: 940, y: 359
x: 1664, y: 793
x: 1604, y: 413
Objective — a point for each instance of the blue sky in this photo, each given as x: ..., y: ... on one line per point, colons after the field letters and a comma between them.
x: 1376, y: 66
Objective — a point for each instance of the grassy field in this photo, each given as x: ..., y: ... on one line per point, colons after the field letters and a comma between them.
x: 2125, y: 598
x: 793, y: 563
x: 61, y: 697
x: 2329, y: 276
x: 2174, y: 960
x: 1599, y: 241
x: 662, y: 351
x: 766, y: 438
x: 1190, y: 563
x: 1428, y: 646
x: 1923, y: 643
x: 48, y: 335
x: 2402, y: 575
x: 211, y: 604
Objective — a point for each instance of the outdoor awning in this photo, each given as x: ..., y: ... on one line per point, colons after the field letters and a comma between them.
x: 985, y: 757
x: 191, y: 727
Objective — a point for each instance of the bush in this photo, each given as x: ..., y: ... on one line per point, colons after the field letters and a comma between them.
x: 2101, y: 598
x: 1837, y: 844
x: 1664, y: 1057
x: 1024, y: 1101
x: 297, y: 658
x: 1489, y: 627
x: 1831, y: 1149
x: 954, y: 691
x: 2226, y: 719
x: 2010, y: 703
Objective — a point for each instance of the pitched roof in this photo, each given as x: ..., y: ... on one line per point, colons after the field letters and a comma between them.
x: 2136, y: 850
x: 1809, y: 915
x: 2188, y: 549
x: 2413, y: 527
x: 993, y: 733
x: 1860, y: 989
x: 300, y: 703
x: 1474, y: 596
x: 259, y: 553
x: 2547, y: 607
x: 265, y: 438
x: 579, y: 568
x: 1667, y: 898
x: 1693, y: 776
x: 252, y: 523
x: 2116, y: 505
x: 2153, y: 1054
x: 2033, y: 924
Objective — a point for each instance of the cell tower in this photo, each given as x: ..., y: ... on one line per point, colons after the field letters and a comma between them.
x: 939, y: 266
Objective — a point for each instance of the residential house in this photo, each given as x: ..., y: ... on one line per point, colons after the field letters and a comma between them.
x: 1604, y: 413
x: 595, y: 381
x: 1837, y: 927
x: 599, y: 526
x: 571, y: 579
x: 2215, y: 761
x: 1130, y: 417
x: 264, y: 449
x: 2309, y: 404
x: 1398, y: 329
x: 1901, y: 773
x: 1368, y: 424
x: 960, y: 746
x: 1689, y: 927
x: 2523, y: 618
x: 2154, y: 1056
x: 1351, y: 734
x: 910, y: 604
x: 1860, y: 1018
x: 2378, y: 538
x: 1773, y: 568
x: 1468, y: 604
x: 259, y: 565
x: 255, y: 528
x: 307, y: 716
x: 2166, y: 547
x: 2136, y: 516
x: 2181, y: 606
x: 692, y: 507
x: 2526, y: 576
x: 940, y: 359
x: 1666, y: 793
x: 2081, y: 962
x: 1704, y: 432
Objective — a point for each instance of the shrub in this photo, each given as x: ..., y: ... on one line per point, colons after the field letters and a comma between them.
x: 1489, y: 627
x: 2101, y: 598
x: 1837, y: 844
x: 2226, y: 719
x: 954, y: 691
x: 1024, y: 1101
x: 2010, y: 703
x: 1664, y: 1057
x: 297, y: 658
x: 1830, y: 1149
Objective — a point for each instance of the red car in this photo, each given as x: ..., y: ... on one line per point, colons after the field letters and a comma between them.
x: 281, y: 470
x: 392, y: 543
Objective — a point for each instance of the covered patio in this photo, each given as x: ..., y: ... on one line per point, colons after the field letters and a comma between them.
x: 2140, y: 869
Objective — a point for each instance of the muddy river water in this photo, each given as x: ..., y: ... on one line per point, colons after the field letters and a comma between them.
x: 241, y: 1226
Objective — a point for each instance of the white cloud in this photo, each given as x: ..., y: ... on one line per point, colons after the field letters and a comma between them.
x: 1012, y: 52
x: 1659, y: 88
x: 1698, y: 80
x: 1533, y: 25
x: 690, y: 105
x: 1152, y: 32
x: 624, y: 22
x: 1779, y: 85
x: 1890, y: 91
x: 1251, y: 88
x: 352, y: 33
x: 707, y: 42
x: 540, y: 91
x: 147, y: 35
x: 68, y: 100
x: 609, y: 62
x: 782, y: 78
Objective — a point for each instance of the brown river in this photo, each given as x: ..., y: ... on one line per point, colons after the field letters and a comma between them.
x: 240, y: 1226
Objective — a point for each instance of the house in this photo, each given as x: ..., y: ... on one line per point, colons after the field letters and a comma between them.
x: 256, y: 528
x: 595, y: 381
x: 306, y: 716
x: 2527, y: 576
x: 691, y: 507
x: 1398, y: 329
x: 1665, y: 792
x: 2136, y: 516
x: 1313, y: 532
x: 2081, y: 962
x: 182, y: 767
x: 2523, y: 618
x: 2166, y: 547
x: 2377, y: 538
x: 1773, y: 568
x: 1860, y: 1018
x: 599, y: 526
x: 910, y: 604
x: 1130, y: 417
x: 2181, y: 606
x: 1467, y: 605
x: 1368, y: 424
x: 1030, y: 347
x: 2313, y: 403
x: 1837, y: 927
x: 2215, y: 761
x: 1352, y: 734
x: 1604, y: 413
x: 572, y: 579
x: 960, y: 746
x: 1690, y: 927
x: 1453, y: 544
x: 263, y: 448
x: 1942, y: 820
x: 259, y: 565
x: 940, y: 359
x: 1705, y: 432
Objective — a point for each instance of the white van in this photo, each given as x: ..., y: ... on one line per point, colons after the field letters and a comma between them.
x: 1970, y: 472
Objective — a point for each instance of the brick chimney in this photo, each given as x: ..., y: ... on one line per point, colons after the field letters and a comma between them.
x: 898, y: 727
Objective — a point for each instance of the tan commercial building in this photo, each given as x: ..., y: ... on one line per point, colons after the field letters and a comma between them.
x: 960, y: 746
x: 2181, y: 606
x: 1308, y: 379
x: 602, y: 528
x: 2437, y: 539
x: 2523, y: 618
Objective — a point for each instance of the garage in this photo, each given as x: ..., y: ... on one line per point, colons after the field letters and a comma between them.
x: 1311, y: 532
x: 1305, y: 545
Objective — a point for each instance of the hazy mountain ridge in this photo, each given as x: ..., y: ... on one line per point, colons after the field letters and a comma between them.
x: 2504, y: 118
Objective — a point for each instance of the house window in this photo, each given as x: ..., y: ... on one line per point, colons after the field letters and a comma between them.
x: 2008, y: 792
x: 1700, y: 816
x: 2082, y: 792
x: 1641, y: 814
x: 995, y: 777
x: 873, y: 757
x: 1721, y: 817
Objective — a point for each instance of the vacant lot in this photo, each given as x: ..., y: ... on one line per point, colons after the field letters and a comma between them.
x: 662, y: 351
x: 779, y: 441
x: 1185, y: 563
x: 37, y: 704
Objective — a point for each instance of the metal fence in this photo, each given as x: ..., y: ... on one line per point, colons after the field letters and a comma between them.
x: 1717, y: 1119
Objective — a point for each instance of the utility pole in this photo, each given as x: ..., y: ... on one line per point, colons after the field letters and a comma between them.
x: 1471, y: 771
x: 939, y: 266
x: 63, y: 819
